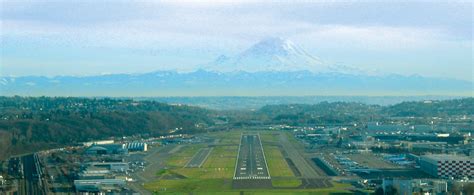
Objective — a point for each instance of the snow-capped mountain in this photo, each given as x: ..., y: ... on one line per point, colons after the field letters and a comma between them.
x: 270, y: 54
x: 273, y: 66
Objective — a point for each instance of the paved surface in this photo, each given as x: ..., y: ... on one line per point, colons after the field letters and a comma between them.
x: 303, y: 166
x: 155, y: 159
x: 251, y: 162
x: 372, y: 161
x: 310, y: 175
x: 199, y: 158
x: 251, y: 170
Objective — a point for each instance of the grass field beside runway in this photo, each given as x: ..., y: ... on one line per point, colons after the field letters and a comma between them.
x: 276, y: 162
x: 219, y: 164
x: 280, y: 171
x: 181, y: 157
x: 228, y: 137
x: 223, y: 186
x: 281, y: 174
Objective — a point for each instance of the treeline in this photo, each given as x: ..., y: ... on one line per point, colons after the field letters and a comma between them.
x: 350, y: 112
x: 432, y: 108
x: 322, y: 113
x: 28, y: 124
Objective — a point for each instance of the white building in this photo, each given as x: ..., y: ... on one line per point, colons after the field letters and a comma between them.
x: 137, y: 146
x: 98, y: 142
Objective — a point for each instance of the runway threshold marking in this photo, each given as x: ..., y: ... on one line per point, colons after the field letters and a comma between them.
x: 250, y: 159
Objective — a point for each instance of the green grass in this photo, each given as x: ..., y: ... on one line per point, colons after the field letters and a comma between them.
x: 220, y: 164
x: 277, y: 165
x: 286, y: 182
x: 222, y: 161
x: 180, y: 158
x: 228, y: 137
x: 276, y: 162
x: 189, y: 185
x: 224, y: 186
x: 269, y: 138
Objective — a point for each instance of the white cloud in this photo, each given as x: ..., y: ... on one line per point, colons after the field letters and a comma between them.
x: 213, y: 31
x: 213, y: 25
x: 371, y: 37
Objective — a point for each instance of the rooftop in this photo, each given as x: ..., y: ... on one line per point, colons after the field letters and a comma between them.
x: 444, y: 157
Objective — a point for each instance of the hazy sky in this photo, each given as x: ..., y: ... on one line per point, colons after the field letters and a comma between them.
x: 59, y: 37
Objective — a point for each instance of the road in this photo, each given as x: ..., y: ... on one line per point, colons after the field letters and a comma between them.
x: 199, y: 158
x: 251, y: 162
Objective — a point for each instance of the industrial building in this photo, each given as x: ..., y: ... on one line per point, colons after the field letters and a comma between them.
x: 447, y: 166
x: 111, y: 166
x: 99, y: 185
x: 96, y: 149
x: 411, y: 186
x: 95, y: 174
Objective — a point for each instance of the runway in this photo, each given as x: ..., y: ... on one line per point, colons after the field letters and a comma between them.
x: 251, y: 170
x: 199, y: 158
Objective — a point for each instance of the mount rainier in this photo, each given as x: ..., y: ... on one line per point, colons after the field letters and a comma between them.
x: 273, y: 66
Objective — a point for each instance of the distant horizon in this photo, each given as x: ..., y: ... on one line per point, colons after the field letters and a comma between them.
x: 191, y: 71
x: 257, y: 102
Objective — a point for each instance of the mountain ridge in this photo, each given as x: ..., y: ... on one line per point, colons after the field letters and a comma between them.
x: 202, y: 82
x: 271, y: 67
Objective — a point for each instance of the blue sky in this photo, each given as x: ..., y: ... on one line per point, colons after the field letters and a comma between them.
x: 54, y: 37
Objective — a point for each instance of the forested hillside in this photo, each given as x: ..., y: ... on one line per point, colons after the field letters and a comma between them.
x: 433, y: 108
x: 346, y: 112
x: 35, y: 123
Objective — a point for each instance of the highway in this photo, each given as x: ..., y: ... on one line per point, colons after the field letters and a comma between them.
x: 199, y: 158
x: 251, y: 163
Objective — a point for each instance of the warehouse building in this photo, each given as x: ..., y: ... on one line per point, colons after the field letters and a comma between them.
x: 106, y: 166
x: 447, y: 166
x: 112, y: 166
x: 107, y: 149
x: 99, y: 185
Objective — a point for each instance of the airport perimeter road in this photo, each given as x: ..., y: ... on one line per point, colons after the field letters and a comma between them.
x: 199, y: 158
x: 251, y: 163
x: 306, y: 170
